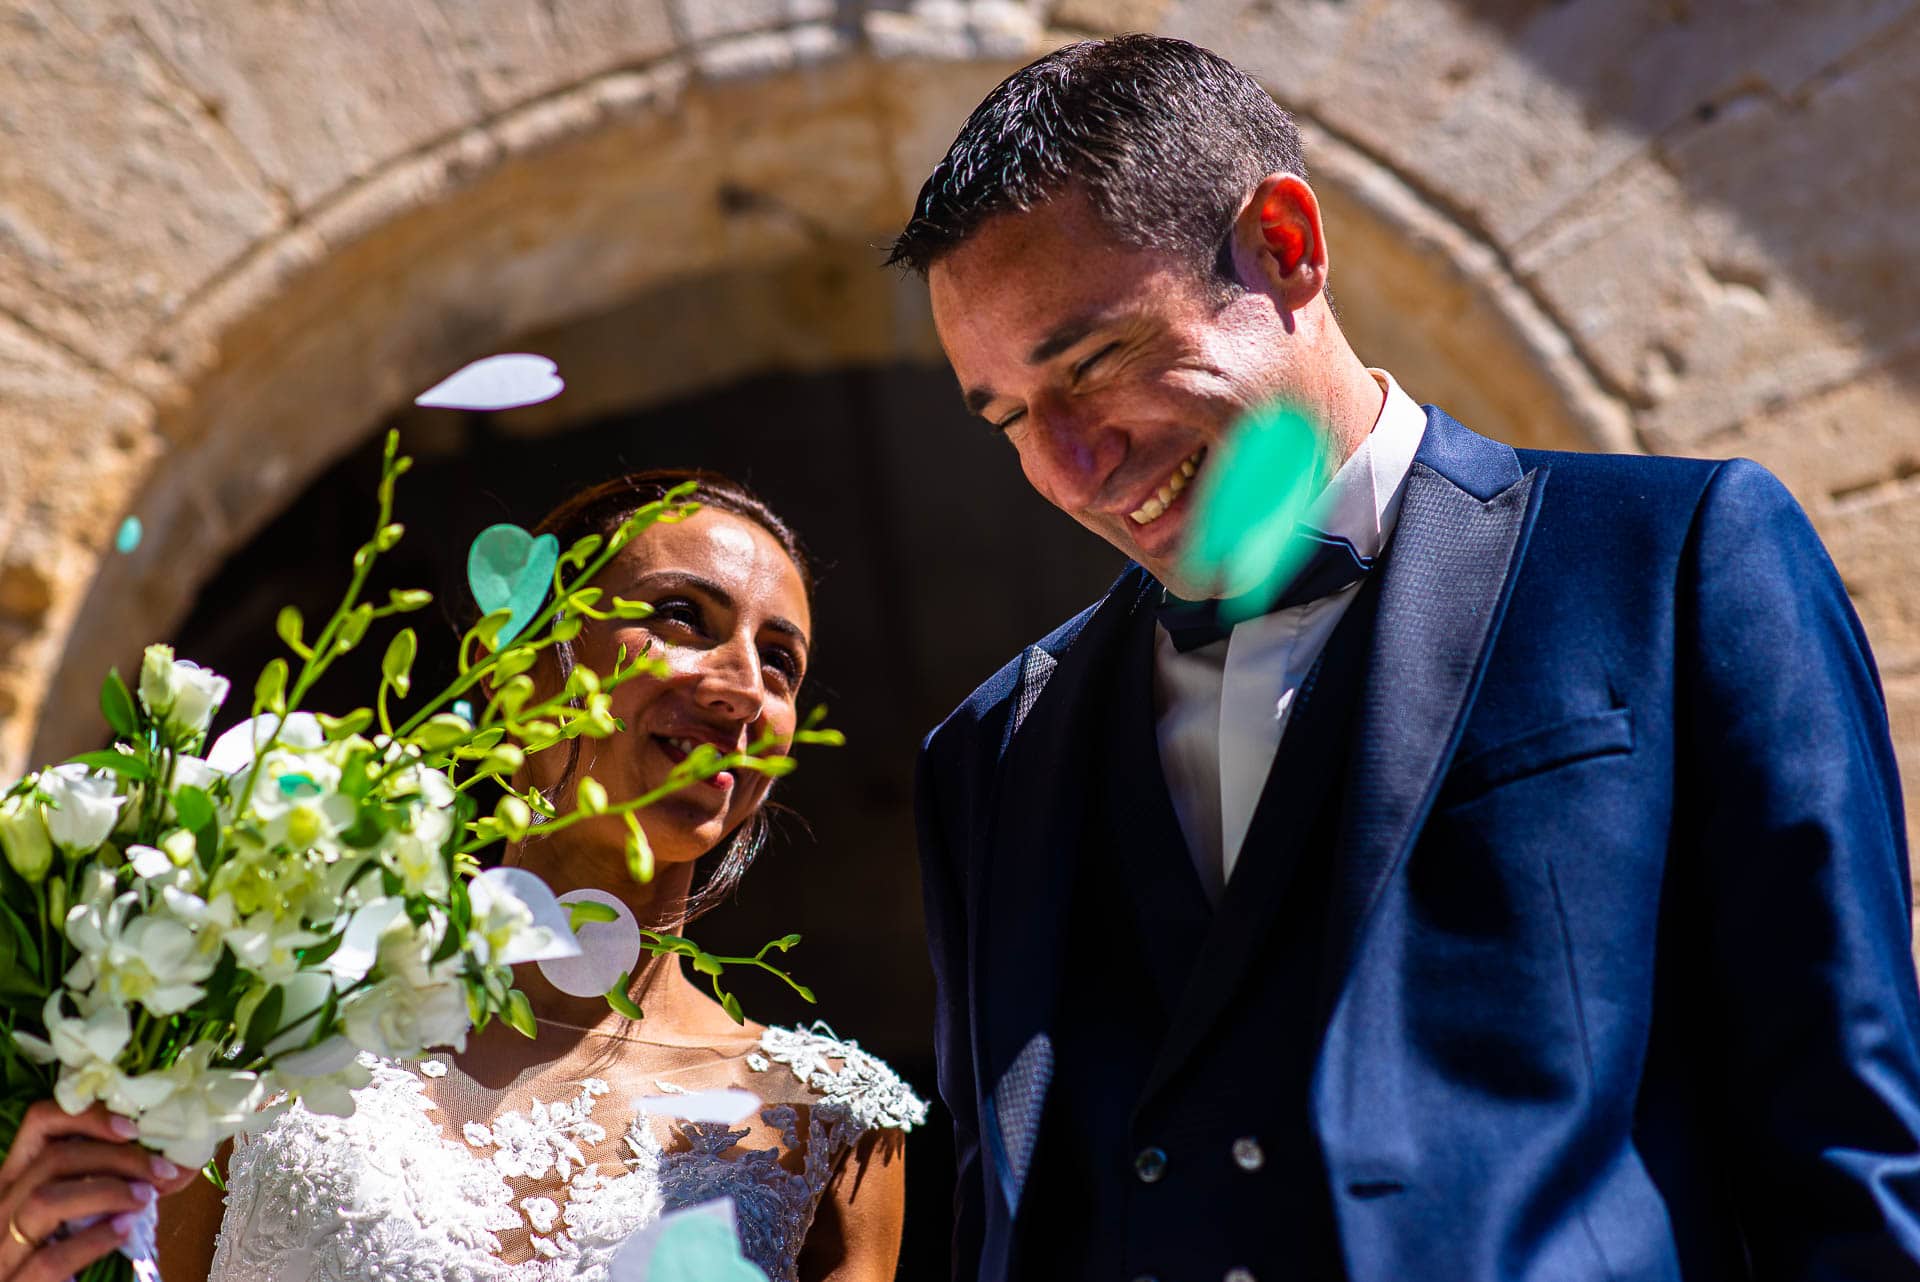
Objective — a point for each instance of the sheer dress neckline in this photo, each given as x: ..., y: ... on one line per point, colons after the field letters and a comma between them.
x: 437, y: 1176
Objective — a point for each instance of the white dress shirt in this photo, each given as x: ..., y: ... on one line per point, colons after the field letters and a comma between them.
x: 1220, y: 709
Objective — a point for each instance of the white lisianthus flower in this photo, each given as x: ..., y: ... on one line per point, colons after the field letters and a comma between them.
x: 180, y: 694
x: 24, y: 837
x: 149, y: 958
x: 204, y: 1106
x: 81, y: 807
x: 323, y: 1077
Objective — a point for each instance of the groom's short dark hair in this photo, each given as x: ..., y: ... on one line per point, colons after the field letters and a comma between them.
x: 1164, y: 138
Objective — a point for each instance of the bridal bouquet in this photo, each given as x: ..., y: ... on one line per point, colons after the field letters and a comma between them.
x: 189, y: 932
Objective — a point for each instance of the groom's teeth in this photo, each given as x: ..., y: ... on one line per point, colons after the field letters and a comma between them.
x: 1163, y: 497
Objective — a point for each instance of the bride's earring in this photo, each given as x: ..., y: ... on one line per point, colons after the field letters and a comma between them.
x: 608, y: 949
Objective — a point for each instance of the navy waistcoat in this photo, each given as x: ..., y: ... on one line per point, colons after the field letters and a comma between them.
x: 1216, y: 1168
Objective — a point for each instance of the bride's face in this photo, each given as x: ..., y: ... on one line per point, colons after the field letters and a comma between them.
x: 730, y: 622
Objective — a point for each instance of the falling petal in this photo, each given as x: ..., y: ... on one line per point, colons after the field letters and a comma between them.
x: 1252, y: 493
x: 725, y: 1105
x: 128, y: 536
x: 496, y: 383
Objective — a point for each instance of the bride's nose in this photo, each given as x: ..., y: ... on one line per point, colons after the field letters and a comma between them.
x: 730, y: 680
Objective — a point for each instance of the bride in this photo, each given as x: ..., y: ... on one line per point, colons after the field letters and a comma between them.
x: 528, y: 1160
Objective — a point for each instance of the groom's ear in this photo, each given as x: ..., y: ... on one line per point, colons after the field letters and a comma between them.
x: 1279, y: 247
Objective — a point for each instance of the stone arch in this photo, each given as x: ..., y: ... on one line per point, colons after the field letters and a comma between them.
x: 635, y: 185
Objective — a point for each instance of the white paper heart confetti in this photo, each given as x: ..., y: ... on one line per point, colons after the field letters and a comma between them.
x: 727, y: 1105
x: 496, y: 383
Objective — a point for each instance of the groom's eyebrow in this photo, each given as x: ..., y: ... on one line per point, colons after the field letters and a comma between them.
x: 1064, y: 336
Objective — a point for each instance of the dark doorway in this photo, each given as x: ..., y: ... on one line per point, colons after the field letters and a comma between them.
x: 938, y: 564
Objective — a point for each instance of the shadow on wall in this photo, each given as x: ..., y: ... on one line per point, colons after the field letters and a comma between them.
x: 937, y: 564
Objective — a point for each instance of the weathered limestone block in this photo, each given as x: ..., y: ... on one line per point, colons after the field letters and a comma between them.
x: 322, y: 94
x: 70, y: 447
x: 1727, y: 274
x: 1837, y: 447
x: 1872, y: 538
x: 119, y: 194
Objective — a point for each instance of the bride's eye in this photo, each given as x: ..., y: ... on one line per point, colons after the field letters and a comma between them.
x: 783, y: 661
x: 679, y: 611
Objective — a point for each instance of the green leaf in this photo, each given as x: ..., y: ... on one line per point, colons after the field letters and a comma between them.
x: 265, y: 1021
x: 338, y: 728
x: 397, y: 666
x: 618, y: 999
x: 582, y: 911
x: 116, y: 703
x: 270, y: 691
x: 194, y: 806
x: 707, y: 964
x: 732, y: 1006
x: 117, y: 762
x: 625, y: 609
x: 804, y: 991
x: 23, y: 945
x: 786, y: 942
x: 321, y: 951
x: 288, y: 625
x: 519, y: 1013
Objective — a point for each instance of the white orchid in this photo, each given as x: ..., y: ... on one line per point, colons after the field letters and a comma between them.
x: 516, y: 918
x: 267, y: 946
x: 125, y: 958
x: 88, y: 1048
x: 415, y: 1004
x: 81, y: 808
x: 25, y: 839
x: 323, y: 1076
x: 170, y: 864
x: 180, y: 694
x: 203, y: 1106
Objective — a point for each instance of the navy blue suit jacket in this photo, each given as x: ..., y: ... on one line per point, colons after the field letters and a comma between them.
x: 1621, y: 984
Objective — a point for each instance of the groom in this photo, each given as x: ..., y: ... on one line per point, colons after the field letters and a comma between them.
x: 1524, y: 897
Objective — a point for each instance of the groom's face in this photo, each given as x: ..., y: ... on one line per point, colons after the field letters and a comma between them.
x: 1113, y: 370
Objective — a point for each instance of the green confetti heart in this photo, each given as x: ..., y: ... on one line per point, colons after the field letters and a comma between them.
x: 701, y: 1249
x: 1253, y: 491
x: 507, y: 568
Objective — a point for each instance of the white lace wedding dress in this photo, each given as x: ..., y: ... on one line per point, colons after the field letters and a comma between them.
x: 439, y: 1178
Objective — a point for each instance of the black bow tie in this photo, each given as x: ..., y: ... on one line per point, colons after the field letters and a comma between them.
x: 1331, y: 563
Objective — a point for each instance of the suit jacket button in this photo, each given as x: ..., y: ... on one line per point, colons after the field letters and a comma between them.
x: 1239, y: 1275
x: 1150, y: 1165
x: 1247, y: 1154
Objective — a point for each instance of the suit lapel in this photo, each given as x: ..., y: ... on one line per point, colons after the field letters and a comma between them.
x: 1022, y: 898
x: 1456, y: 550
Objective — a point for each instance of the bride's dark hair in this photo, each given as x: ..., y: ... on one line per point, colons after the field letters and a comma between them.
x: 601, y: 509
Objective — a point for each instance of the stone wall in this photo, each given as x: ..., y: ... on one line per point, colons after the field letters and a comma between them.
x: 235, y: 237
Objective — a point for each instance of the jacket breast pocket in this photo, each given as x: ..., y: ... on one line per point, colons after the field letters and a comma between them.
x: 1537, y: 751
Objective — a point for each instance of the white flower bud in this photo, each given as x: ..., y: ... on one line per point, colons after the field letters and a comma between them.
x: 24, y: 836
x: 180, y: 694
